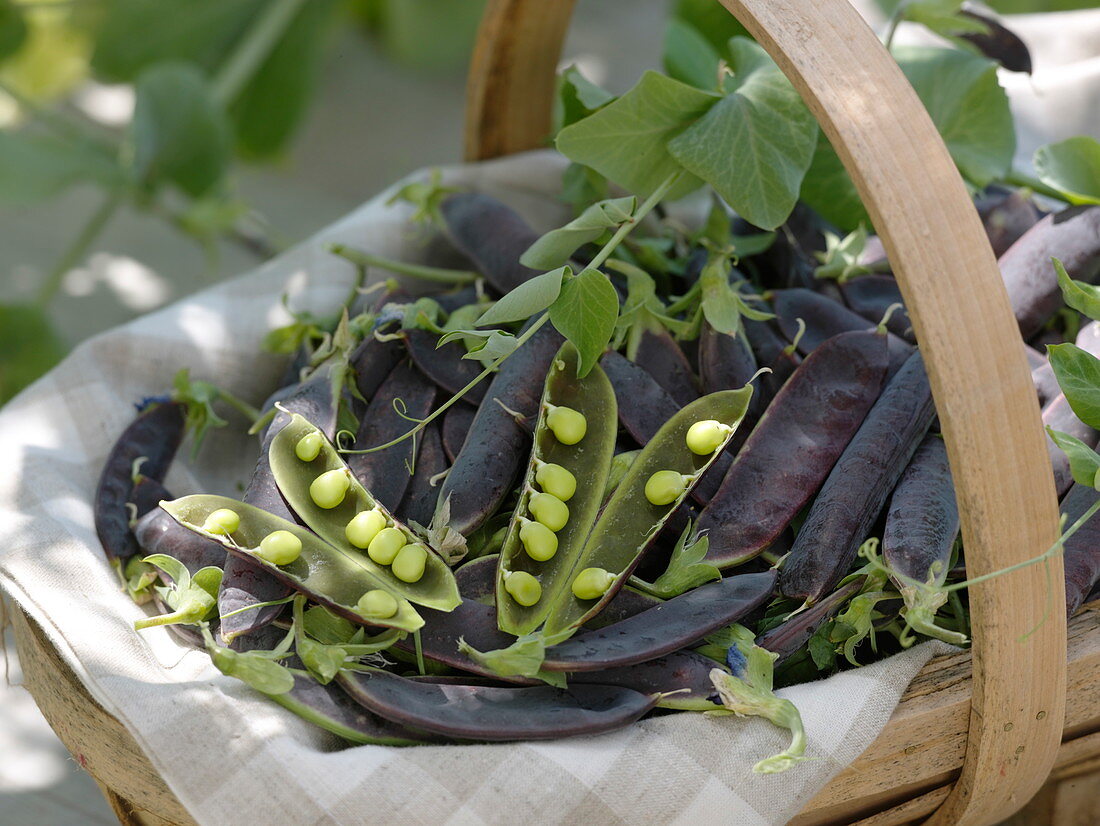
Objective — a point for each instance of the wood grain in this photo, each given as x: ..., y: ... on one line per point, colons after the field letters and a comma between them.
x: 953, y: 290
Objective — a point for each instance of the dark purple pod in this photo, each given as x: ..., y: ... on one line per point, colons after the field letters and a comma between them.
x: 856, y: 488
x: 454, y: 299
x: 1006, y: 216
x: 1059, y: 416
x: 490, y: 713
x: 373, y: 360
x: 1072, y: 236
x: 923, y: 519
x: 445, y: 365
x: 790, y: 636
x: 159, y: 533
x: 154, y: 435
x: 245, y: 583
x: 1081, y: 555
x: 1046, y: 383
x: 825, y: 319
x: 419, y: 502
x: 668, y: 627
x: 766, y: 343
x: 659, y: 354
x: 798, y: 440
x: 643, y: 404
x: 457, y: 422
x: 330, y: 707
x: 477, y: 579
x: 497, y: 445
x: 684, y: 675
x: 492, y: 235
x: 386, y: 473
x: 725, y: 362
x: 998, y: 42
x: 145, y: 496
x: 870, y: 296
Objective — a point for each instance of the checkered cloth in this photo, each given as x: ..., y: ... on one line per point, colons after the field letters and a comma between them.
x: 231, y: 755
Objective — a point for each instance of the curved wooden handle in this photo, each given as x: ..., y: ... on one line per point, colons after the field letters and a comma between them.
x: 960, y: 312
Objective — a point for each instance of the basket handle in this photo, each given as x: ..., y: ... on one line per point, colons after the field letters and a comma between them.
x: 960, y: 312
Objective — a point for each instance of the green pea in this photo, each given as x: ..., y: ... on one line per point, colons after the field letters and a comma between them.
x: 592, y: 583
x: 385, y: 545
x: 410, y: 562
x: 703, y: 438
x: 280, y: 548
x: 222, y: 521
x: 549, y: 510
x: 377, y: 603
x: 309, y: 446
x: 328, y: 489
x: 665, y: 486
x: 364, y: 527
x: 556, y: 480
x: 523, y: 588
x: 567, y: 424
x: 538, y: 540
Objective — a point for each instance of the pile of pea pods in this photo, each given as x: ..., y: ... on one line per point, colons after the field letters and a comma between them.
x: 421, y: 557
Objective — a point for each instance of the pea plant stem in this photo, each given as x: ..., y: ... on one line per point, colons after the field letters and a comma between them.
x: 1018, y: 177
x: 253, y: 50
x: 78, y: 248
x: 1043, y: 557
x: 602, y: 256
x: 422, y: 272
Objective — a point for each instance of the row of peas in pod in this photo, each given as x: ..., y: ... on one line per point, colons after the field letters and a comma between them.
x: 570, y: 545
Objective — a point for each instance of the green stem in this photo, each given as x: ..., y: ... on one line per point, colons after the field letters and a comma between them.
x: 253, y: 50
x: 240, y: 405
x: 438, y: 275
x: 1018, y: 177
x: 78, y: 248
x: 644, y: 210
x: 895, y: 21
x: 183, y: 616
x: 254, y: 607
x: 1047, y: 554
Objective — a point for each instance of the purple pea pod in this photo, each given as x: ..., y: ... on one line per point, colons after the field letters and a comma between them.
x: 659, y: 354
x: 858, y: 485
x: 816, y: 414
x: 478, y: 712
x: 419, y: 502
x: 1081, y: 555
x: 159, y: 533
x: 386, y: 473
x: 490, y: 234
x: 791, y: 636
x: 457, y: 422
x: 1072, y: 236
x: 445, y: 365
x: 870, y: 296
x: 1006, y: 217
x: 997, y: 42
x: 153, y: 437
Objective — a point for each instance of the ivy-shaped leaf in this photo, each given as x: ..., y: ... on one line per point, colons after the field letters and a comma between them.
x: 1072, y: 167
x: 756, y: 144
x: 578, y: 96
x: 1085, y: 298
x: 626, y: 140
x: 689, y: 56
x: 585, y: 313
x: 1084, y: 463
x: 1078, y: 374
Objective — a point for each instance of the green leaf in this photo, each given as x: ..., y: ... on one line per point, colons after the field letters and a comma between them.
x: 1072, y: 167
x: 427, y: 196
x: 943, y: 17
x: 581, y: 185
x: 689, y: 57
x: 485, y: 346
x: 970, y: 109
x: 271, y: 106
x: 754, y: 146
x: 585, y: 313
x: 13, y: 29
x: 261, y: 673
x: 554, y: 248
x: 28, y: 347
x: 822, y: 650
x: 1078, y: 374
x: 37, y: 167
x: 135, y: 34
x: 829, y: 191
x: 199, y: 396
x: 180, y: 135
x: 579, y: 97
x: 719, y: 304
x: 1084, y: 463
x: 686, y: 570
x: 625, y: 140
x: 326, y: 627
x: 531, y: 297
x: 1085, y: 298
x: 173, y: 567
x: 840, y: 261
x: 710, y: 19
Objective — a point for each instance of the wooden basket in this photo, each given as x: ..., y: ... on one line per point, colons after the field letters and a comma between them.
x: 978, y: 733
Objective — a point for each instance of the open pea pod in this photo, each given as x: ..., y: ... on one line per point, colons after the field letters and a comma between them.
x: 587, y: 461
x: 327, y: 575
x: 630, y: 520
x: 436, y: 586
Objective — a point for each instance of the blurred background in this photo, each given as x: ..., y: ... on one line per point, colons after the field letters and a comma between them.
x: 149, y: 148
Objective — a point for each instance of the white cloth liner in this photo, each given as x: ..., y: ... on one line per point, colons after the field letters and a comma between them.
x: 232, y: 756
